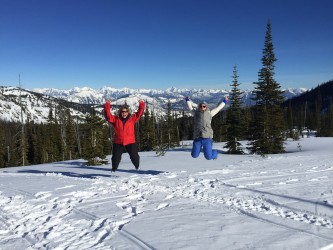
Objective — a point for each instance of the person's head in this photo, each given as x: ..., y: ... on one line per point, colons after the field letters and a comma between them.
x: 124, y: 111
x: 203, y: 106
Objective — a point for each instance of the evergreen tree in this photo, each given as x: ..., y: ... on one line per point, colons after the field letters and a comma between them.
x: 2, y: 148
x: 38, y: 142
x: 22, y: 147
x: 48, y: 149
x: 161, y: 138
x: 317, y: 114
x: 185, y: 124
x: 235, y: 124
x: 105, y: 140
x: 176, y: 134
x: 57, y: 145
x: 147, y: 131
x: 12, y: 154
x: 94, y: 140
x: 327, y: 121
x: 31, y: 137
x: 53, y: 137
x: 70, y: 141
x: 171, y: 129
x: 266, y: 131
x: 219, y: 126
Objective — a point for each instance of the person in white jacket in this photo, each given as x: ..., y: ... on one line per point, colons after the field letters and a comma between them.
x: 203, y: 132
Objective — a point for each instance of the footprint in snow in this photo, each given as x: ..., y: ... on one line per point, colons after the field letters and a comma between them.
x: 288, y: 182
x: 43, y: 195
x: 69, y: 186
x: 254, y: 184
x: 162, y: 205
x: 292, y: 180
x: 132, y: 212
x: 169, y: 197
x: 171, y: 176
x: 123, y: 205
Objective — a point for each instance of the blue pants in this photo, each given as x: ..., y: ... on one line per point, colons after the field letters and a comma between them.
x: 207, y: 145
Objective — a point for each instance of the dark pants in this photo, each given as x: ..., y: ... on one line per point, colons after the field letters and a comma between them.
x: 119, y: 149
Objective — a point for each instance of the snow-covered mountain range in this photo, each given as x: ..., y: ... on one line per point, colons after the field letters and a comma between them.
x: 37, y: 102
x: 36, y: 107
x: 152, y: 96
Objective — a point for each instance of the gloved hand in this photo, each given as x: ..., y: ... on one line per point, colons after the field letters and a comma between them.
x: 226, y: 100
x: 187, y: 98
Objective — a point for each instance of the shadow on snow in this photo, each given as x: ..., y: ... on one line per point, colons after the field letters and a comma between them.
x: 64, y: 173
x: 91, y: 175
x: 315, y: 203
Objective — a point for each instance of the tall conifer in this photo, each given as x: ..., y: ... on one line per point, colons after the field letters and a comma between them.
x: 147, y: 131
x: 266, y: 132
x: 94, y: 140
x: 71, y: 146
x: 2, y: 148
x: 235, y: 123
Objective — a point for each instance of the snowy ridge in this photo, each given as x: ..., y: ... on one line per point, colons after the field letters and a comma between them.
x: 212, y: 96
x: 37, y: 103
x: 279, y: 202
x: 36, y: 107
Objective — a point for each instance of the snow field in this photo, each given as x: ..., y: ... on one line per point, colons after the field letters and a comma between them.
x: 279, y: 202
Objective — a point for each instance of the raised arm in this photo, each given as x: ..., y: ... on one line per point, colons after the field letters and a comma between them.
x: 220, y: 106
x: 140, y: 111
x: 190, y: 104
x: 107, y: 114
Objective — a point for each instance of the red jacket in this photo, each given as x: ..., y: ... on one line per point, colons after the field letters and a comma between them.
x: 124, y: 133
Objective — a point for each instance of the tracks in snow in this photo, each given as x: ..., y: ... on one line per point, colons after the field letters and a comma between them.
x: 255, y: 204
x: 217, y: 192
x: 46, y: 222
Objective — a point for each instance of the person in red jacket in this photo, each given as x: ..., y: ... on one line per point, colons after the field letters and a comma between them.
x: 124, y: 134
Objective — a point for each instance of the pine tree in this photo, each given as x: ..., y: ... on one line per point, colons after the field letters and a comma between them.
x: 70, y: 141
x: 38, y: 140
x: 147, y: 131
x: 219, y: 125
x: 317, y: 112
x: 162, y: 138
x: 31, y: 140
x: 267, y: 129
x: 57, y: 145
x: 235, y: 124
x: 327, y: 121
x: 94, y: 140
x: 170, y: 135
x: 12, y: 154
x: 185, y: 124
x: 22, y: 148
x: 2, y: 148
x: 48, y: 149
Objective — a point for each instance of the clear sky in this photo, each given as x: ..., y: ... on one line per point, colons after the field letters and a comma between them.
x: 162, y: 43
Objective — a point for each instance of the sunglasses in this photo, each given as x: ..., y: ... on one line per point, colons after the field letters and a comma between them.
x: 124, y: 111
x: 203, y: 106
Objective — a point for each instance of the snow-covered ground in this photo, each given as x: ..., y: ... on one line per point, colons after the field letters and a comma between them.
x: 175, y: 202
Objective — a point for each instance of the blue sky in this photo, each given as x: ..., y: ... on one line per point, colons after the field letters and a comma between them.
x: 162, y: 43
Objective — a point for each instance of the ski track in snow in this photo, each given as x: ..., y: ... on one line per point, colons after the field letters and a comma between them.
x: 44, y: 219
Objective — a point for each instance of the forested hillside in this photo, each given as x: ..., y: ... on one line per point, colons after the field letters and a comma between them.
x: 312, y: 110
